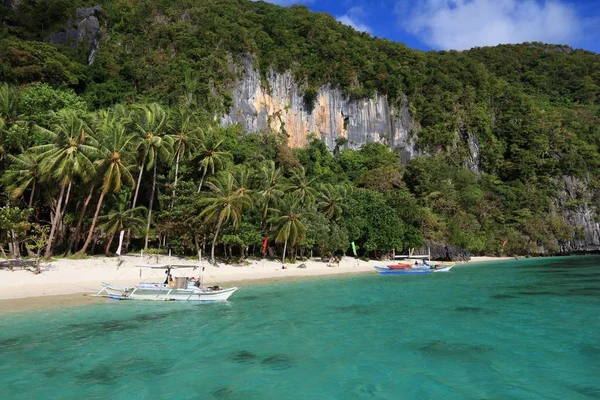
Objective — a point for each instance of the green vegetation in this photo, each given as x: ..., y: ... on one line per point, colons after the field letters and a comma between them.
x: 129, y: 143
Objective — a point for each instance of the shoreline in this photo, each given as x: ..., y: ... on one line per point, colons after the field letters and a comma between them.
x: 67, y: 283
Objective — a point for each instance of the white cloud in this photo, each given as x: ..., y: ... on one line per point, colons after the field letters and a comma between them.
x: 353, y: 18
x: 462, y: 24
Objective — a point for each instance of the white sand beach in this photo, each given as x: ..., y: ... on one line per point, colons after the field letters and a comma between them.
x: 77, y: 278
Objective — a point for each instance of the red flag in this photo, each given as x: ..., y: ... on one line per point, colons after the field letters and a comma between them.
x: 264, y: 248
x: 504, y: 243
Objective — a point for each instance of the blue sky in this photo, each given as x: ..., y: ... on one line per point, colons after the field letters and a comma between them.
x: 462, y: 24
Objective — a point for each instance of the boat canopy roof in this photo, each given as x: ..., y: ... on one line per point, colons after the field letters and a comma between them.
x: 165, y: 266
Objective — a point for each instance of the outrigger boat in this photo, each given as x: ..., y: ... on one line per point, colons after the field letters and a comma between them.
x: 416, y: 269
x: 180, y: 289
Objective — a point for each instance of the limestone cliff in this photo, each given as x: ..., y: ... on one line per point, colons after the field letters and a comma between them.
x: 576, y: 203
x: 279, y: 106
x: 83, y: 30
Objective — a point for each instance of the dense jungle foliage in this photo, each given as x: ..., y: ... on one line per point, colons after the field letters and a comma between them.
x: 129, y: 143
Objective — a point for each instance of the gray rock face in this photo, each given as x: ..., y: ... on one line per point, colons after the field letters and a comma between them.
x: 473, y: 161
x: 576, y: 204
x: 83, y: 30
x: 443, y: 252
x: 280, y: 107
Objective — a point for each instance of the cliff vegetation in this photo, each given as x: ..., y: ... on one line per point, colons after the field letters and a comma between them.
x: 109, y: 122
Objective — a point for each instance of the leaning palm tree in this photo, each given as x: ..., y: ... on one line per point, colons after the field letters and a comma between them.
x: 68, y: 156
x: 272, y: 187
x: 22, y: 175
x: 288, y: 227
x: 301, y: 187
x: 186, y: 136
x: 209, y: 157
x: 120, y: 219
x: 224, y: 202
x: 115, y: 147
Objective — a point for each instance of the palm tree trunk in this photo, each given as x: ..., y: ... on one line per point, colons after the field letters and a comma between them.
x: 201, y: 181
x: 284, y: 250
x: 60, y: 228
x: 108, y: 243
x: 15, y: 245
x: 135, y: 196
x: 31, y: 195
x: 67, y: 198
x: 57, y: 216
x: 139, y: 181
x: 150, y: 206
x: 197, y: 245
x: 212, y: 249
x: 176, y: 174
x: 75, y: 236
x: 91, y: 232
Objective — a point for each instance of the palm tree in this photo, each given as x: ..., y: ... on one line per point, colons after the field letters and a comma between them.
x: 287, y: 225
x: 301, y: 187
x: 101, y: 122
x: 68, y: 156
x: 120, y: 219
x: 115, y: 146
x: 210, y: 157
x: 330, y: 200
x: 159, y: 149
x: 224, y: 202
x: 9, y: 101
x: 271, y: 188
x: 149, y: 121
x: 22, y: 175
x: 186, y: 138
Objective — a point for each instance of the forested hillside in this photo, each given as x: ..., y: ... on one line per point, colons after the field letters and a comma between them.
x: 109, y: 122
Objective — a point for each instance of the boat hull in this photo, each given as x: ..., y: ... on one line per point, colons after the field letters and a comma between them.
x: 412, y: 271
x: 404, y: 272
x: 160, y: 292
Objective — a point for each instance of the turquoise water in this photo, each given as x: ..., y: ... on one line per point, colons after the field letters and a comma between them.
x: 527, y: 329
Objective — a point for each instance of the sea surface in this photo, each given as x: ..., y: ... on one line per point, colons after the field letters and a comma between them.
x: 527, y: 329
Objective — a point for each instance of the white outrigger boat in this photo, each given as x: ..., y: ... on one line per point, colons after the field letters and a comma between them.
x: 180, y: 289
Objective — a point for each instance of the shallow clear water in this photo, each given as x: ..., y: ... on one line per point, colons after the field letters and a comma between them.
x: 527, y: 329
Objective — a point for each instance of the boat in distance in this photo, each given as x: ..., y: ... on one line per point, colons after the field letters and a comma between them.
x: 417, y: 269
x: 179, y: 289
